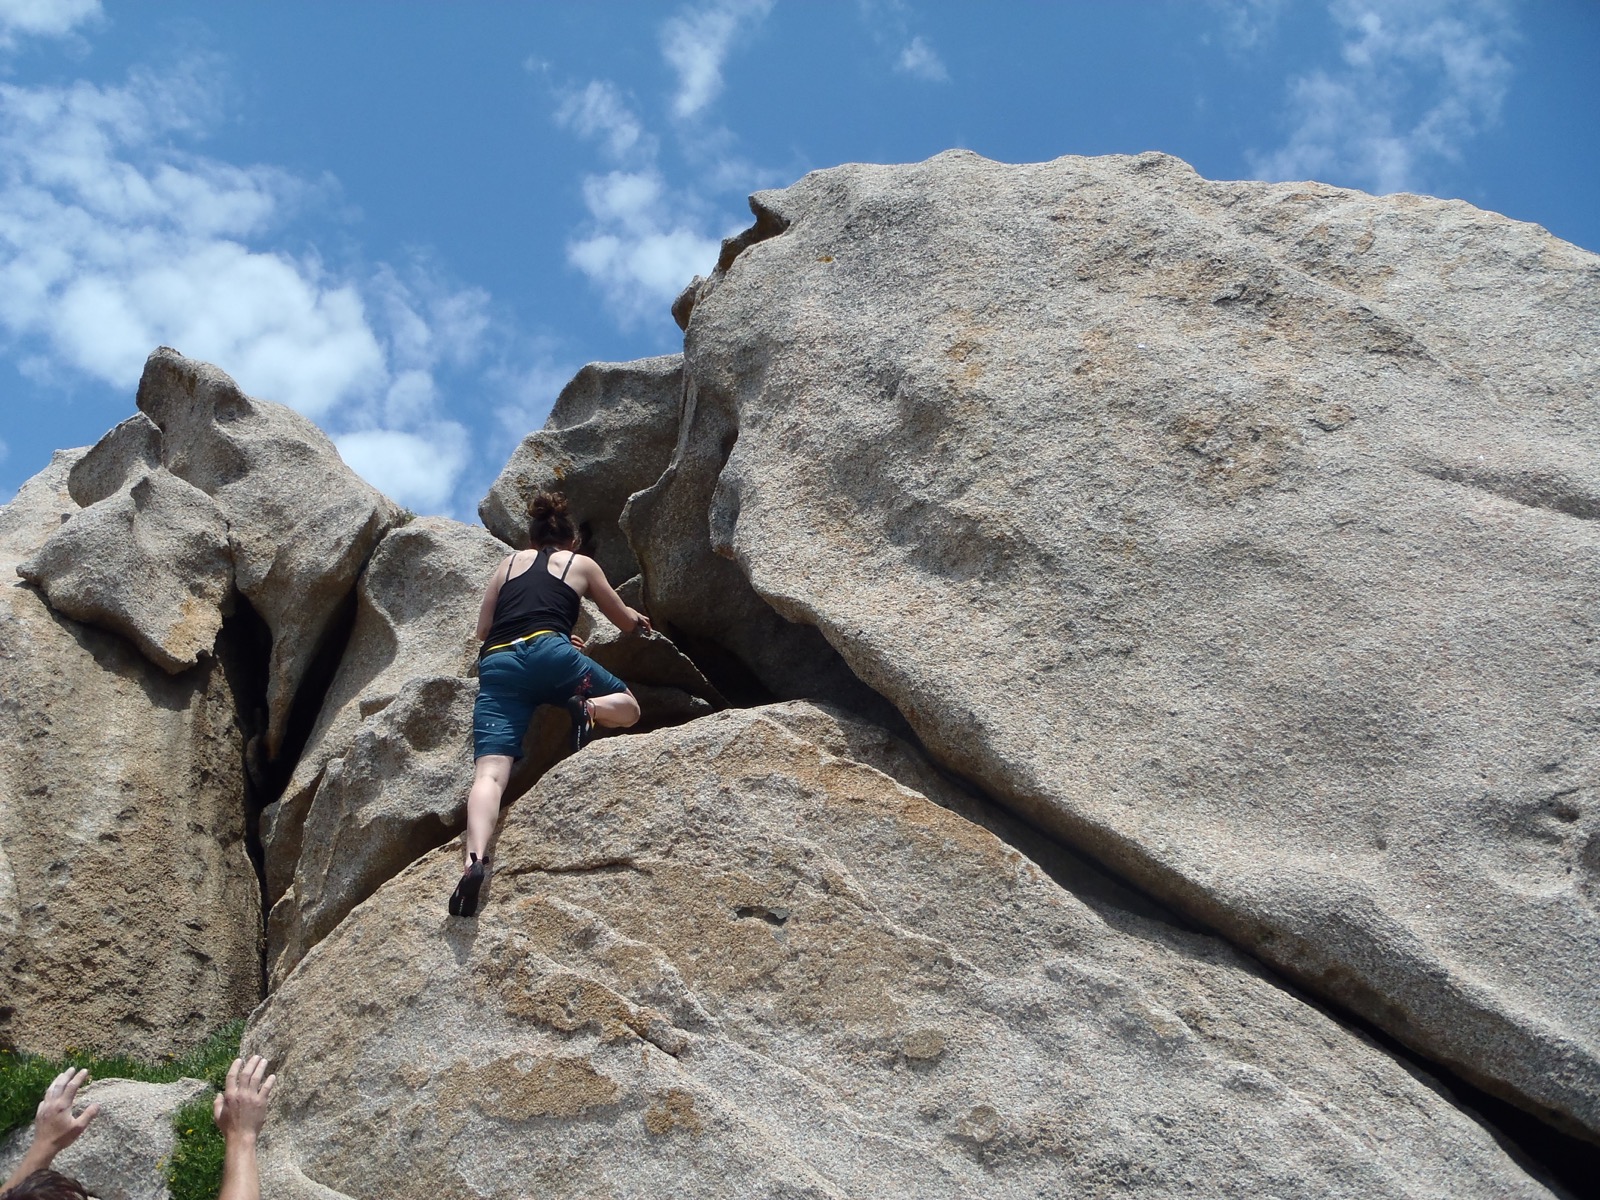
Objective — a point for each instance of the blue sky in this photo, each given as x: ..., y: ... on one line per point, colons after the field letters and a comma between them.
x: 414, y: 221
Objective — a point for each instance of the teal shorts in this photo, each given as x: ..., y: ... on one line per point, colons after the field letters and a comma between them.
x: 515, y: 681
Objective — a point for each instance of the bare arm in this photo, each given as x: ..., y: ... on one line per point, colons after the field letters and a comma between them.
x: 54, y: 1126
x: 605, y: 596
x: 491, y: 596
x: 240, y: 1110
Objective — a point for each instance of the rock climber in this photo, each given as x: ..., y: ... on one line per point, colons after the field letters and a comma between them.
x: 531, y: 657
x: 240, y: 1110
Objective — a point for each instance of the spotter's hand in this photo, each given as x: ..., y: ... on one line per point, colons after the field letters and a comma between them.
x: 54, y: 1126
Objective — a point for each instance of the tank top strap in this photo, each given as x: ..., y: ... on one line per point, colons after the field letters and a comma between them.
x: 538, y: 556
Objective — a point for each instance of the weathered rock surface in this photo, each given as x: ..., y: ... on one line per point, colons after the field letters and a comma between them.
x: 300, y: 523
x: 398, y: 790
x: 121, y: 458
x: 1242, y: 534
x: 698, y: 596
x: 41, y: 506
x: 416, y: 609
x: 124, y: 1152
x: 730, y: 960
x: 130, y: 914
x: 206, y: 489
x: 384, y: 775
x: 150, y: 562
x: 611, y: 433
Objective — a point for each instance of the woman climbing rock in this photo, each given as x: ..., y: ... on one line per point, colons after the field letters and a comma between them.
x: 529, y: 658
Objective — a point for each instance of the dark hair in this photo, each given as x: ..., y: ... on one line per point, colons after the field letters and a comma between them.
x: 551, y: 524
x: 46, y: 1185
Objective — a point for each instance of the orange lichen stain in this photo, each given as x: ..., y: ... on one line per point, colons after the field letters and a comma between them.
x: 523, y: 1087
x: 571, y: 1003
x: 673, y: 1109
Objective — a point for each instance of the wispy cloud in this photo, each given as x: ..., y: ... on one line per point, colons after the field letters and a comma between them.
x: 922, y: 61
x: 890, y: 24
x: 114, y: 239
x: 1247, y: 23
x: 44, y: 18
x: 1416, y: 81
x: 640, y: 255
x: 598, y: 111
x: 646, y: 237
x: 695, y: 44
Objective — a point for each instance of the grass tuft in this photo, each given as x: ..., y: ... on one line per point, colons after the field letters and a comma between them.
x: 195, y: 1169
x: 194, y: 1172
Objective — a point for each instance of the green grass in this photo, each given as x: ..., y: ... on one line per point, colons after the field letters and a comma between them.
x: 195, y: 1169
x: 194, y: 1172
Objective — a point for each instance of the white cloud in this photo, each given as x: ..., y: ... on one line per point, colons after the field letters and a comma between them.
x: 695, y: 44
x: 638, y: 255
x: 889, y: 24
x: 641, y: 274
x: 598, y: 111
x: 110, y: 246
x: 1418, y: 79
x: 43, y: 18
x: 1247, y: 23
x: 629, y: 198
x: 644, y: 238
x: 922, y: 61
x: 114, y: 240
x: 641, y: 247
x: 418, y: 469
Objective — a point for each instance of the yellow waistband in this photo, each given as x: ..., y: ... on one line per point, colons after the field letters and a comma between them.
x: 514, y: 641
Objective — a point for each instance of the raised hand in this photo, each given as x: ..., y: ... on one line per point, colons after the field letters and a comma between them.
x: 240, y: 1110
x: 241, y: 1106
x: 54, y: 1125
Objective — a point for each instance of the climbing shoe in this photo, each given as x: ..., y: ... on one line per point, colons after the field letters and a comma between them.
x: 464, y: 900
x: 582, y: 722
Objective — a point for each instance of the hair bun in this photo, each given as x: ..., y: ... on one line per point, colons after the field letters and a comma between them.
x: 550, y: 524
x: 549, y: 504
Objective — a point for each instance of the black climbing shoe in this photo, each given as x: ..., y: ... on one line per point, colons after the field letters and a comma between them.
x: 464, y: 900
x: 582, y: 724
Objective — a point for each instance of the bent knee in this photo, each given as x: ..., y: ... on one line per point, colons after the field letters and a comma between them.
x: 628, y: 709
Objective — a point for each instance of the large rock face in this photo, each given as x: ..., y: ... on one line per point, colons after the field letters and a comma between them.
x: 398, y: 790
x: 734, y: 959
x: 130, y: 914
x: 301, y: 524
x: 1241, y: 537
x: 384, y: 775
x: 1242, y: 534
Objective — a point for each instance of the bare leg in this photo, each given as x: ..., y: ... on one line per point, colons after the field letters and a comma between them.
x: 490, y: 775
x: 616, y: 711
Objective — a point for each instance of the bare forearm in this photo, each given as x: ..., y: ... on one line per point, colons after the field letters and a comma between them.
x: 38, y: 1158
x: 241, y: 1175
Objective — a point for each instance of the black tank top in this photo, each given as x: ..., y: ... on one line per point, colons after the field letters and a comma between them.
x: 533, y: 601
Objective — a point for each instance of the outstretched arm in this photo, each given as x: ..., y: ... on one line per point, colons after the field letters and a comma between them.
x: 54, y: 1126
x: 606, y: 599
x: 240, y: 1110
